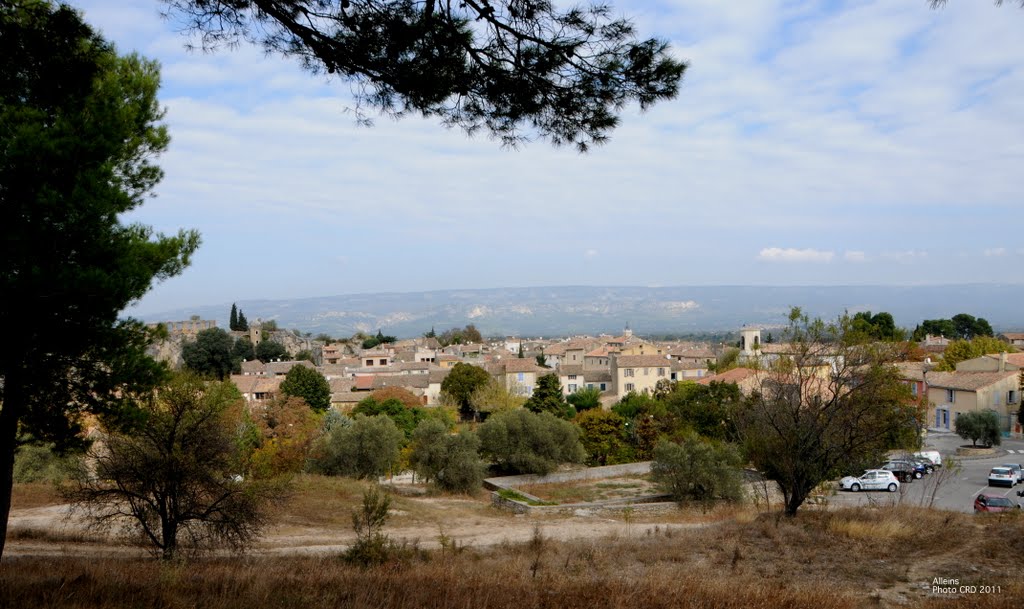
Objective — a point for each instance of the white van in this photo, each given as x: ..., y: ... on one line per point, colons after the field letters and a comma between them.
x: 931, y: 455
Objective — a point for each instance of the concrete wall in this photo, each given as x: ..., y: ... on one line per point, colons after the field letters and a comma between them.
x: 589, y: 473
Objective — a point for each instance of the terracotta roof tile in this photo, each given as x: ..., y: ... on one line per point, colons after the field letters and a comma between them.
x: 642, y: 361
x: 967, y: 381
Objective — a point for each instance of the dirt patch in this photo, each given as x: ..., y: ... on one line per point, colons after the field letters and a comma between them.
x: 589, y: 491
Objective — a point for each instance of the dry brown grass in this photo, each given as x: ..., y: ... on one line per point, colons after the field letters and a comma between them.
x: 33, y: 495
x: 820, y: 560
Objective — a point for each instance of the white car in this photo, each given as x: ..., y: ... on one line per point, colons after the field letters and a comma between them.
x: 1002, y: 475
x: 871, y: 480
x: 932, y: 455
x: 1018, y: 470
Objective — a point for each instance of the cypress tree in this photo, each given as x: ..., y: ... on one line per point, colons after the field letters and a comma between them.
x: 243, y: 323
x: 233, y: 321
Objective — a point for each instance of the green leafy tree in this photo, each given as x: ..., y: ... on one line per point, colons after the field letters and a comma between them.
x: 242, y: 351
x: 460, y: 336
x: 450, y: 462
x: 270, y: 350
x: 646, y: 420
x: 547, y: 397
x: 697, y: 469
x: 1020, y: 392
x: 307, y: 383
x: 80, y: 132
x: 603, y: 435
x: 461, y: 382
x: 368, y: 448
x: 523, y: 442
x: 835, y: 402
x: 210, y: 354
x: 962, y: 326
x: 979, y: 426
x: 726, y: 361
x: 705, y: 409
x: 304, y: 356
x: 587, y: 398
x: 406, y: 418
x: 968, y: 326
x: 173, y: 475
x: 494, y: 397
x: 880, y: 326
x: 961, y: 350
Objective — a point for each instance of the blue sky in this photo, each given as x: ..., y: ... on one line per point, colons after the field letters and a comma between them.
x: 812, y: 143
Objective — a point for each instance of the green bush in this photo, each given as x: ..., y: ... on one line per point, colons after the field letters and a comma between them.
x: 450, y: 462
x: 697, y: 469
x: 38, y: 463
x: 368, y: 448
x: 523, y: 442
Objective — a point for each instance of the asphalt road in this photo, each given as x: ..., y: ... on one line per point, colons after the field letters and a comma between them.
x: 950, y: 488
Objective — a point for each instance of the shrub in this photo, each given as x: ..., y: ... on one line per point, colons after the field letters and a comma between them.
x: 523, y: 442
x: 450, y: 462
x: 39, y: 463
x: 603, y: 435
x: 697, y: 469
x: 367, y: 448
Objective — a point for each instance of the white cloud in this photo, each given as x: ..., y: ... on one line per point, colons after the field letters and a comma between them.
x: 778, y: 254
x: 905, y: 255
x: 994, y: 252
x: 855, y: 256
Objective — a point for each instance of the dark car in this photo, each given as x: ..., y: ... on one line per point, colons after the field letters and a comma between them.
x: 993, y: 503
x: 923, y: 463
x: 903, y: 470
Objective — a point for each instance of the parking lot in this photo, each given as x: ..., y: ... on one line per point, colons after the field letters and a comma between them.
x: 948, y: 489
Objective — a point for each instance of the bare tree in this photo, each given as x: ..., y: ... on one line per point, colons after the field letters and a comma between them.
x: 172, y: 479
x: 829, y: 404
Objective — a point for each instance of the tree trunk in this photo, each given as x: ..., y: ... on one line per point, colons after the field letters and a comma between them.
x: 169, y: 532
x: 9, y: 414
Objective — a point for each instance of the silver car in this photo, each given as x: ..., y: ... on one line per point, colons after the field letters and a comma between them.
x: 871, y: 480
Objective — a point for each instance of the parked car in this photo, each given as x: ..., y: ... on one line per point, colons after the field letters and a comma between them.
x: 993, y: 503
x: 871, y: 480
x: 1002, y: 476
x: 1017, y: 468
x: 922, y: 462
x: 931, y: 455
x: 903, y: 470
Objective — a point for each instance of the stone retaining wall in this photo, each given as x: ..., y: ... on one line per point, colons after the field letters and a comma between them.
x: 589, y: 473
x: 643, y: 503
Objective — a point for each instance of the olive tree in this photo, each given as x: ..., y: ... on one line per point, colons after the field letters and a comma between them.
x: 979, y: 426
x: 367, y: 448
x: 450, y: 461
x: 524, y: 442
x: 698, y: 469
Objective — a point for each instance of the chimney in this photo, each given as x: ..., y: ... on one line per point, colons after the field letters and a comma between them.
x: 1002, y: 361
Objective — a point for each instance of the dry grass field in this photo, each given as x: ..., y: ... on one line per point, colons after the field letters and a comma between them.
x: 823, y: 559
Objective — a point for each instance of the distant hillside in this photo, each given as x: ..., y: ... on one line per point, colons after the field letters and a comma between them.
x: 564, y: 310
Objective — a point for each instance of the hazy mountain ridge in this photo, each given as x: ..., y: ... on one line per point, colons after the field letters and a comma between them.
x: 564, y: 310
